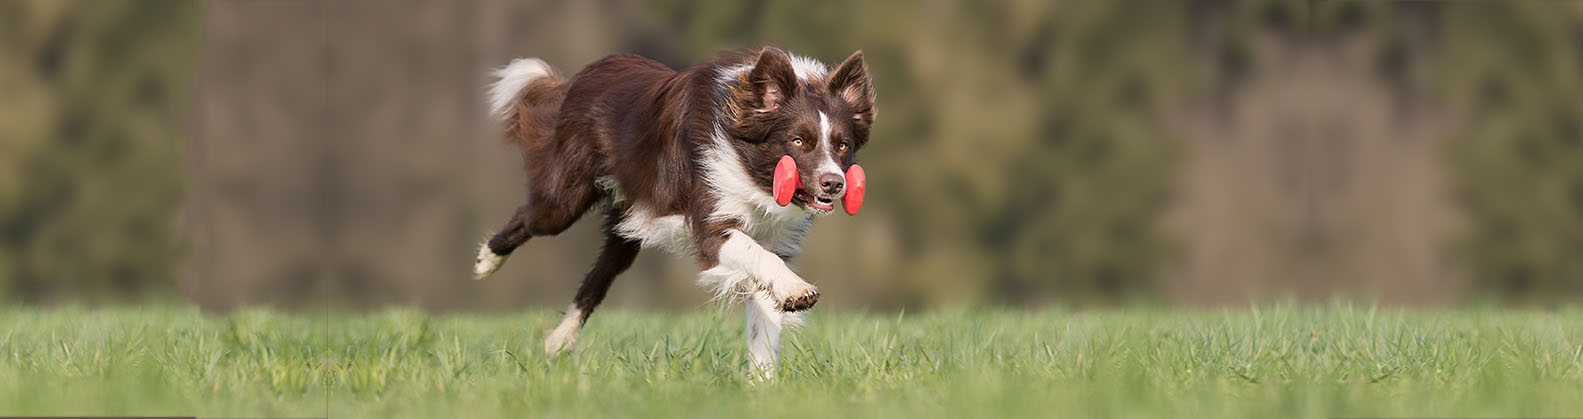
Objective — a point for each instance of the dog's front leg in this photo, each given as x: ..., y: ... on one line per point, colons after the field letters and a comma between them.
x: 763, y: 332
x: 736, y: 264
x: 736, y: 257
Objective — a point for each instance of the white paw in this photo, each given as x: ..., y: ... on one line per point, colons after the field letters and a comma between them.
x: 561, y: 340
x: 487, y: 263
x: 564, y: 337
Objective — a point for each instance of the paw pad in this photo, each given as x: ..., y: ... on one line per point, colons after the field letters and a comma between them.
x: 802, y: 302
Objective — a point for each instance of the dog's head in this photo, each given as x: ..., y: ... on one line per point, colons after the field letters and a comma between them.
x: 821, y: 119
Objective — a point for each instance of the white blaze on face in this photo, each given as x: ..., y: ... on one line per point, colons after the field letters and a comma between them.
x: 824, y: 128
x: 825, y: 147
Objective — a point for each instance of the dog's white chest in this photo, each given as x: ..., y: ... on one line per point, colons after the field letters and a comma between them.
x: 674, y: 233
x: 669, y: 232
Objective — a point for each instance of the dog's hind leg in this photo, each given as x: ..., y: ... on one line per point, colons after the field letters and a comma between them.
x: 617, y: 256
x: 546, y: 214
x: 492, y: 253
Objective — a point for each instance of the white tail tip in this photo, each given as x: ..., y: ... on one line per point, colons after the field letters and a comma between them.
x: 511, y: 80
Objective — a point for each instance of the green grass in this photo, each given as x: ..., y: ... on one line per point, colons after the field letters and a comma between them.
x: 1272, y: 361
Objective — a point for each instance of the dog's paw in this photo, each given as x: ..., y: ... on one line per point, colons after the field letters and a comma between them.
x: 801, y: 299
x: 560, y: 341
x: 487, y: 262
x: 564, y: 337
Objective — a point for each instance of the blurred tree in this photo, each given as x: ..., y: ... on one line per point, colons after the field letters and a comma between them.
x: 1515, y: 71
x: 90, y: 140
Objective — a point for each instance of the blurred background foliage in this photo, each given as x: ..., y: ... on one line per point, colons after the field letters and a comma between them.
x: 1518, y: 159
x: 1025, y: 151
x: 91, y: 136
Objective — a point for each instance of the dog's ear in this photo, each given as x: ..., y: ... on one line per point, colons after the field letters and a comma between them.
x: 771, y: 82
x: 762, y: 92
x: 850, y: 82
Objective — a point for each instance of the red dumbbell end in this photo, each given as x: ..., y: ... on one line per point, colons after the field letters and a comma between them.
x: 785, y: 181
x: 856, y: 183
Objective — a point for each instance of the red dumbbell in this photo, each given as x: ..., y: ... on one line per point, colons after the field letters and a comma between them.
x: 856, y: 183
x: 786, y: 183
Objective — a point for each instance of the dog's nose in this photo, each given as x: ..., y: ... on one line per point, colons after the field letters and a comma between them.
x: 831, y: 183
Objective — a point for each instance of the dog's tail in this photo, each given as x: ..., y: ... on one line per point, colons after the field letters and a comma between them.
x: 527, y: 96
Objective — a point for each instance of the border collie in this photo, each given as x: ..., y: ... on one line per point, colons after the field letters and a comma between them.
x: 683, y: 160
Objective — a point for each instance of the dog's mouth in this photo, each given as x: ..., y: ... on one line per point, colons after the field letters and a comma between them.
x: 819, y: 203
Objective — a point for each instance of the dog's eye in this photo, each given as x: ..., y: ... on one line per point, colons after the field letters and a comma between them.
x: 797, y: 141
x: 840, y: 147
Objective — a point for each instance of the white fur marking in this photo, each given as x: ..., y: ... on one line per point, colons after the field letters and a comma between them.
x: 726, y: 282
x: 513, y: 78
x: 743, y: 258
x: 764, y: 325
x: 763, y: 332
x: 670, y: 232
x: 729, y: 75
x: 825, y: 146
x: 824, y: 129
x: 564, y: 337
x: 487, y: 262
x: 807, y: 68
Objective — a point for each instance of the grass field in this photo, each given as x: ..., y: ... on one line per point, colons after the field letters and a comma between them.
x: 1272, y: 361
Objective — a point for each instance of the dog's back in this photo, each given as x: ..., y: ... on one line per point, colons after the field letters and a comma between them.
x: 618, y: 119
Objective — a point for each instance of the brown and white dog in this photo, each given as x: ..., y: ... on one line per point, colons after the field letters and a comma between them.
x: 682, y: 160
